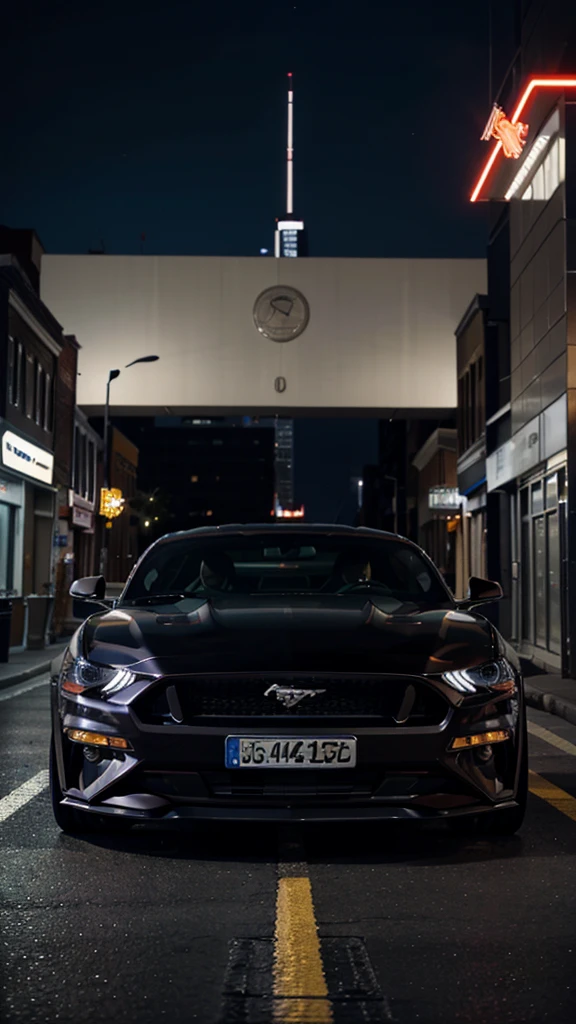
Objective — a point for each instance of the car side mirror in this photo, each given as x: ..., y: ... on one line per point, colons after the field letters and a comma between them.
x: 89, y: 588
x: 481, y: 592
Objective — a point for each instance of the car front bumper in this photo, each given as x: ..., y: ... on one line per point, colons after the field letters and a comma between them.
x: 174, y: 774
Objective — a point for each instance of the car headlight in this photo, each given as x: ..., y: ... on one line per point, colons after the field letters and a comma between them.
x: 496, y: 675
x: 79, y: 675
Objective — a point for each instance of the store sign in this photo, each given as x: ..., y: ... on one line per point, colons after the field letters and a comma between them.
x: 444, y: 499
x: 500, y: 466
x: 82, y: 517
x: 26, y: 458
x: 511, y: 135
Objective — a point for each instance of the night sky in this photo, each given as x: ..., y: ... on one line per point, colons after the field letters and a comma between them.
x: 168, y: 118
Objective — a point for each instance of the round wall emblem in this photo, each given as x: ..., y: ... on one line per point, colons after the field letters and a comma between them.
x: 281, y: 313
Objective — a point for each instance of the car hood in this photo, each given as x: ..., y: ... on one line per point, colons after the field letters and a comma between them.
x: 252, y: 634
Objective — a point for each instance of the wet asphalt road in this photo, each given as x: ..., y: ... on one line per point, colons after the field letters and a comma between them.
x: 415, y: 925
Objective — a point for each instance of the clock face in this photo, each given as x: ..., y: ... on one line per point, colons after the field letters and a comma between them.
x: 281, y: 313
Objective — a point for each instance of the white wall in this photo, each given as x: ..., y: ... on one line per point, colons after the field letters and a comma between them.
x: 380, y: 337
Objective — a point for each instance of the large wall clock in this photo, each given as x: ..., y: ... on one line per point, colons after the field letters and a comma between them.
x: 281, y: 313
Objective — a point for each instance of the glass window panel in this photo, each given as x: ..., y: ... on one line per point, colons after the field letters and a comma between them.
x: 552, y: 491
x: 39, y: 396
x: 7, y: 517
x: 540, y: 583
x: 561, y: 159
x: 526, y: 576
x: 551, y: 171
x: 537, y: 498
x: 554, y: 589
x: 48, y: 404
x: 538, y: 184
x: 30, y: 383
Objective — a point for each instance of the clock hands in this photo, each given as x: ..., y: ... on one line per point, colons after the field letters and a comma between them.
x: 284, y: 299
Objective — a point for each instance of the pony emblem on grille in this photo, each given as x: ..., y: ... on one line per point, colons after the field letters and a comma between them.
x: 289, y: 695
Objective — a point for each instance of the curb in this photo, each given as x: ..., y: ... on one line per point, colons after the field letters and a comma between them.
x: 39, y: 669
x: 26, y: 673
x: 550, y: 703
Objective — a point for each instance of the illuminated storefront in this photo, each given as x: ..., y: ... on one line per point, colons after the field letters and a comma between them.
x: 531, y: 440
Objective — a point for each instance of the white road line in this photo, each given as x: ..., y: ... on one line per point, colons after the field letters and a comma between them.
x: 15, y: 691
x: 550, y: 737
x: 21, y: 796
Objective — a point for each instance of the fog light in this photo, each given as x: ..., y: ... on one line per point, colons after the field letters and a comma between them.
x: 462, y: 742
x: 97, y: 739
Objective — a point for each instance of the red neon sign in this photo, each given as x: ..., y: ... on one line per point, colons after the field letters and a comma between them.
x: 512, y: 136
x: 535, y: 83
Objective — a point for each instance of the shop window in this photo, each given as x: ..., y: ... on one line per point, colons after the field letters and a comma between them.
x: 7, y: 529
x: 537, y: 498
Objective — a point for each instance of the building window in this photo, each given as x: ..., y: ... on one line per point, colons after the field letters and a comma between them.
x: 30, y: 386
x: 48, y: 403
x: 91, y: 471
x: 40, y: 395
x: 549, y: 174
x: 471, y: 405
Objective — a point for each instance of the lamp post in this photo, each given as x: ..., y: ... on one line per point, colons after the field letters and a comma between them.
x: 113, y: 374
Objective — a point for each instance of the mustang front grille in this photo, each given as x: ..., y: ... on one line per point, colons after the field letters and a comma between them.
x: 390, y: 700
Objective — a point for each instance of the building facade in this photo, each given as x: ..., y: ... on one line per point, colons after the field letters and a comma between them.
x: 531, y: 435
x: 31, y: 342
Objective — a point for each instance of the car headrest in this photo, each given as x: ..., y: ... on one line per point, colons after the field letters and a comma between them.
x: 217, y: 571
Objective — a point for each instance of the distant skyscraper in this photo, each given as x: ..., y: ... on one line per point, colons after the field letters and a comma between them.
x: 290, y: 238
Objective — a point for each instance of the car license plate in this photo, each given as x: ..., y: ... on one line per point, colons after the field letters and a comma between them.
x: 290, y: 752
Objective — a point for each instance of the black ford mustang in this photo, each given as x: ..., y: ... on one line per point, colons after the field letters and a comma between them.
x: 300, y: 673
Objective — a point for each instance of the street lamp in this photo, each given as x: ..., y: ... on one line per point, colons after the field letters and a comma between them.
x: 113, y: 374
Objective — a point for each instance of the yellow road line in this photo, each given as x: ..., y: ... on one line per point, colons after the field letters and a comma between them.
x: 300, y: 990
x: 550, y: 737
x: 553, y: 795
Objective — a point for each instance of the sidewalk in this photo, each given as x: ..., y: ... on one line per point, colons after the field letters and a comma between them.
x: 27, y: 664
x: 551, y: 693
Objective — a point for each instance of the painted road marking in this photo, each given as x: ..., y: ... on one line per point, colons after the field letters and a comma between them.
x: 553, y: 795
x: 22, y: 795
x: 15, y: 691
x: 300, y: 990
x: 550, y: 737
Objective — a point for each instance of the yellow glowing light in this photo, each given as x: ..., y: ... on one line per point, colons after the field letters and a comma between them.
x: 97, y: 739
x: 111, y: 502
x: 481, y: 738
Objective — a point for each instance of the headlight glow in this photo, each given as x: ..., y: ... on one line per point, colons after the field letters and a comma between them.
x: 79, y: 675
x: 496, y: 675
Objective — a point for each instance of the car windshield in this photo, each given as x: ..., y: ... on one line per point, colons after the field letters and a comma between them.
x: 279, y: 563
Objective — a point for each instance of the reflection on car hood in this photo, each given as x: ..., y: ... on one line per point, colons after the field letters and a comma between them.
x: 319, y: 634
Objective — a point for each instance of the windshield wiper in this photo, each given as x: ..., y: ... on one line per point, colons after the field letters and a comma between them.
x: 157, y: 599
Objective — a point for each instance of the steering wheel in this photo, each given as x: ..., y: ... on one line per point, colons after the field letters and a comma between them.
x: 368, y: 585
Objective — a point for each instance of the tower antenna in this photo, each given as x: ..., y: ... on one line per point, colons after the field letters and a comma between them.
x: 290, y: 149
